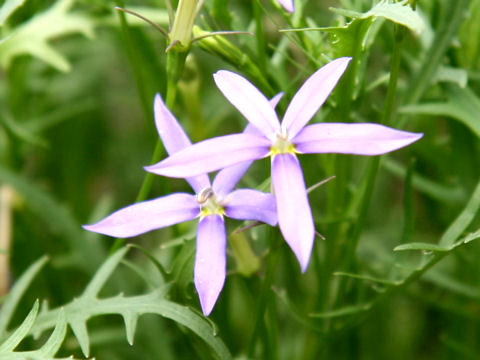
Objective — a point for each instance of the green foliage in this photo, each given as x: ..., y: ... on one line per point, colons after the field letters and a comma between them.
x: 395, y: 271
x: 33, y: 36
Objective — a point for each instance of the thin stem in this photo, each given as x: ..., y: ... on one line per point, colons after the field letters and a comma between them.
x: 259, y: 317
x: 260, y: 36
x: 374, y: 163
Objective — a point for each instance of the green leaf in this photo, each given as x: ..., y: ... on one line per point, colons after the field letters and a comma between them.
x: 8, y: 8
x: 462, y: 105
x: 16, y: 293
x: 22, y: 331
x: 32, y: 36
x: 365, y: 278
x: 398, y: 12
x: 427, y: 247
x: 344, y: 311
x: 80, y: 310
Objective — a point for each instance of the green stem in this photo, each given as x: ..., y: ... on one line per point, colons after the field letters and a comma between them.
x: 260, y: 36
x: 443, y: 38
x: 175, y: 66
x: 374, y: 163
x: 259, y: 317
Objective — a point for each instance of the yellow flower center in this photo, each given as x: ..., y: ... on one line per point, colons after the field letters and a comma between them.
x: 282, y: 145
x: 209, y: 204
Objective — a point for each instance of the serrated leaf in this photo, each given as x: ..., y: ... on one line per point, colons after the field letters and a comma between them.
x: 102, y: 275
x: 32, y: 37
x: 21, y: 332
x: 462, y: 105
x: 16, y: 293
x: 8, y: 8
x: 421, y: 246
x: 398, y: 12
x: 47, y: 351
x: 88, y: 305
x: 130, y: 318
x: 51, y: 347
x: 79, y: 328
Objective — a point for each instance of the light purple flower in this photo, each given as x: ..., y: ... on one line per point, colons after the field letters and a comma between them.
x: 288, y: 5
x: 282, y: 142
x: 211, y: 202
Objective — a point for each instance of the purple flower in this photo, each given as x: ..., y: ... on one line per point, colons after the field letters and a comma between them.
x: 288, y: 5
x: 211, y: 202
x: 282, y: 142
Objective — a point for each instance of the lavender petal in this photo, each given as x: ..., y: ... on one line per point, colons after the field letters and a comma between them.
x: 210, y: 261
x: 227, y: 178
x: 149, y: 215
x: 174, y: 139
x: 312, y: 95
x: 211, y: 155
x: 358, y: 139
x: 287, y: 5
x: 294, y: 214
x: 251, y: 103
x: 247, y: 204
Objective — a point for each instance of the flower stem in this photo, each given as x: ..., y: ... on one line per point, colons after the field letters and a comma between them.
x: 175, y: 66
x: 263, y: 299
x: 374, y: 163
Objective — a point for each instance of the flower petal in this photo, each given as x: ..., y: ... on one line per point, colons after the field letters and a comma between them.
x: 251, y: 103
x: 312, y: 95
x: 227, y: 178
x: 210, y: 261
x: 149, y: 215
x: 359, y: 139
x: 294, y: 214
x: 212, y: 154
x: 275, y: 100
x: 174, y: 139
x: 248, y: 204
x: 288, y: 5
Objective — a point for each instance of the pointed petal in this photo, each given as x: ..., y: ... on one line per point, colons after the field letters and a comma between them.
x: 213, y: 154
x: 359, y: 139
x: 174, y: 139
x: 312, y: 95
x: 248, y: 204
x: 149, y: 215
x: 210, y: 261
x: 251, y: 103
x: 275, y: 100
x: 294, y: 214
x: 288, y: 5
x: 227, y: 178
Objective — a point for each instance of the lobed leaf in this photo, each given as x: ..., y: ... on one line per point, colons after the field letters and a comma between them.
x: 32, y: 37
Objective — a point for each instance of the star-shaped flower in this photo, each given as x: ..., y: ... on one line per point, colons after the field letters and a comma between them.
x: 211, y: 203
x: 282, y: 142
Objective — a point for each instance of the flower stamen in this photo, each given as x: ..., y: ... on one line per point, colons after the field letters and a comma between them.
x: 209, y: 204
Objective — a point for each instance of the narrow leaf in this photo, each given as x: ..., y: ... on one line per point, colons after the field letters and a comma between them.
x: 51, y: 347
x: 16, y: 293
x: 8, y: 9
x: 345, y: 311
x: 21, y: 332
x: 421, y: 246
x: 130, y: 318
x: 102, y: 275
x: 79, y: 328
